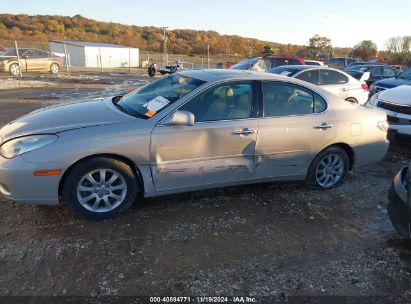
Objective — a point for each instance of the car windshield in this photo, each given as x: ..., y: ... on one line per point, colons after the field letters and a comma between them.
x: 156, y: 96
x: 12, y: 52
x: 284, y: 70
x: 245, y: 64
x: 405, y: 75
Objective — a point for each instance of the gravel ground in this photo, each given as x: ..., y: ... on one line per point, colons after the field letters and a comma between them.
x: 275, y: 239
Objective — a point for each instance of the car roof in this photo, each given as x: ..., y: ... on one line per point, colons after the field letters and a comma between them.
x: 222, y: 74
x: 307, y: 67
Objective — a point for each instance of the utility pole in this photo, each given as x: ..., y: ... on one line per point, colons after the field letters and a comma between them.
x: 208, y: 56
x: 165, y: 39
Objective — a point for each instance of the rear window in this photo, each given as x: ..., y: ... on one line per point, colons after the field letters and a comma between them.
x: 284, y: 70
x: 333, y: 77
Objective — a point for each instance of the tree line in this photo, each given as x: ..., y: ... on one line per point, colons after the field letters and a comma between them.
x: 183, y: 41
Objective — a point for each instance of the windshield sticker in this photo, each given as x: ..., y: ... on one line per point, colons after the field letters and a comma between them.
x: 156, y: 104
x: 285, y: 73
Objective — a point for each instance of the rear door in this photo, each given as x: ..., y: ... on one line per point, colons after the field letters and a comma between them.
x: 295, y: 125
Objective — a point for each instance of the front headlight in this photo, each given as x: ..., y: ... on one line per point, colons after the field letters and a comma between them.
x: 373, y: 100
x: 18, y: 146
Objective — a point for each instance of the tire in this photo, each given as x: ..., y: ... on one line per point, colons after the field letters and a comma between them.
x: 328, y: 169
x: 151, y: 71
x: 14, y: 69
x: 101, y: 201
x: 352, y: 100
x: 54, y: 68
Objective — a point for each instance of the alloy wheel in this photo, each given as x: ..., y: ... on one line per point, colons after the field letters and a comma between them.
x: 101, y: 190
x: 329, y: 170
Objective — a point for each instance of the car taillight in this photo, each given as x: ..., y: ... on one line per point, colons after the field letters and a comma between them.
x: 364, y: 86
x: 383, y: 125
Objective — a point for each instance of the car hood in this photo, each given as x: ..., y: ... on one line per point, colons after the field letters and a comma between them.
x: 391, y: 82
x: 400, y: 95
x: 61, y: 118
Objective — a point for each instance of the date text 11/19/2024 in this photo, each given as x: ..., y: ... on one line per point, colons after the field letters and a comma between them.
x: 203, y: 299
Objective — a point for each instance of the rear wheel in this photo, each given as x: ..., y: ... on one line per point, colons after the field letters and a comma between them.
x: 14, y: 69
x: 328, y: 169
x: 100, y: 188
x: 54, y: 68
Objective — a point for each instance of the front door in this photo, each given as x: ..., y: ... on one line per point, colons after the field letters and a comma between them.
x: 295, y: 126
x: 218, y: 149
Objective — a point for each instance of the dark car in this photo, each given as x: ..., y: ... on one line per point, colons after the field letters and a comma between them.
x: 376, y: 72
x: 272, y: 61
x: 399, y: 208
x: 403, y: 78
x: 342, y: 62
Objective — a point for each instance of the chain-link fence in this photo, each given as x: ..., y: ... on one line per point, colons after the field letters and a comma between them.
x: 65, y: 57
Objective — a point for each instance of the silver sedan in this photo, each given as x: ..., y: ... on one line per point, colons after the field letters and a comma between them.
x: 188, y: 131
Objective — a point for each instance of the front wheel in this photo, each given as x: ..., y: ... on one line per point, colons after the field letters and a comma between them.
x: 14, y: 69
x: 100, y: 188
x: 328, y: 169
x: 54, y: 68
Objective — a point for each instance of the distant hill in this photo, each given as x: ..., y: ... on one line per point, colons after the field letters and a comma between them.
x: 181, y: 41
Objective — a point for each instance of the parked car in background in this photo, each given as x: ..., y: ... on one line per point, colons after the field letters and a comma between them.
x: 187, y: 131
x: 272, y: 61
x: 262, y: 64
x: 332, y: 80
x: 396, y: 103
x: 399, y: 208
x: 404, y: 78
x: 342, y: 62
x: 30, y: 60
x: 372, y: 72
x: 253, y: 64
x: 314, y: 62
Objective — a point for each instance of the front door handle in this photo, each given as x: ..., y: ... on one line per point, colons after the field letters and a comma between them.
x: 323, y: 126
x: 343, y: 89
x: 245, y: 131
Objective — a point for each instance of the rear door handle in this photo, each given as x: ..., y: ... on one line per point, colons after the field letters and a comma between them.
x: 245, y: 131
x: 343, y: 89
x: 323, y: 126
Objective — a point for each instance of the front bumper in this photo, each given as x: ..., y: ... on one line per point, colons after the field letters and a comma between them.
x: 399, y: 208
x: 18, y: 183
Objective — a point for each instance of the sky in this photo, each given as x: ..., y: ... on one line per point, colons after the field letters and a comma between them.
x: 346, y: 22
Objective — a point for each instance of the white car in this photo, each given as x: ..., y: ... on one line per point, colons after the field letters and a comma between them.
x: 314, y: 62
x: 396, y: 103
x: 334, y: 81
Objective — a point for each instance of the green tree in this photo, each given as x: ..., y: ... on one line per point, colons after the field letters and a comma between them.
x: 267, y: 50
x: 365, y: 50
x: 316, y: 44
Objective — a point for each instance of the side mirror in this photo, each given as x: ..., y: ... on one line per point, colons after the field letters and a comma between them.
x: 182, y: 118
x: 25, y: 56
x: 365, y: 76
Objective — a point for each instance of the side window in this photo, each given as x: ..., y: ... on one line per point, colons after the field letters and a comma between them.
x: 333, y: 77
x: 223, y: 102
x: 41, y: 54
x: 320, y: 105
x: 284, y: 99
x: 294, y: 62
x: 376, y: 72
x: 309, y: 76
x: 388, y: 72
